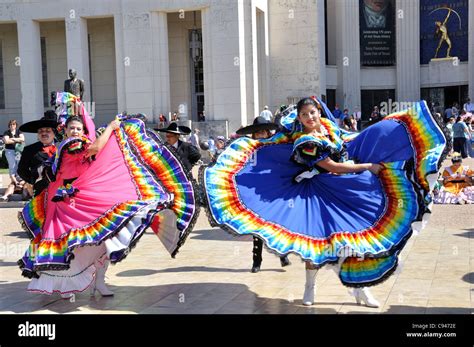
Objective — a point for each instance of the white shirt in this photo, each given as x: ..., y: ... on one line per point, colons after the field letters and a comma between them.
x: 469, y: 107
x: 357, y: 115
x: 194, y: 139
x: 175, y: 145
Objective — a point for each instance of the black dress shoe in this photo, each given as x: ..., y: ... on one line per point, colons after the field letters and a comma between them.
x: 255, y: 268
x: 284, y: 261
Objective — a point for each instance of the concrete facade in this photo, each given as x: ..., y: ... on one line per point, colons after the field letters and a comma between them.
x: 407, y: 77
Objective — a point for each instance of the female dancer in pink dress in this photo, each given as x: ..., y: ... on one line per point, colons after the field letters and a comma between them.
x: 104, y: 193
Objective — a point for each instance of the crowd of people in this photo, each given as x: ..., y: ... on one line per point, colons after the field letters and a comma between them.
x: 74, y: 169
x: 456, y: 184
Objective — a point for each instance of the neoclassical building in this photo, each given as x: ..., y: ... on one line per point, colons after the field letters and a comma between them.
x: 161, y: 56
x: 226, y: 58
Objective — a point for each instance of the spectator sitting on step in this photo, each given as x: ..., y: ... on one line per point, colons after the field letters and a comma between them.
x: 457, y: 183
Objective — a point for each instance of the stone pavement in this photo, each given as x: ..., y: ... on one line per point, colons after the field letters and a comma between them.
x: 211, y: 275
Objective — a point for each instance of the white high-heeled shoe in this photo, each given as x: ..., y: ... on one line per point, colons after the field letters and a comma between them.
x: 66, y: 296
x: 308, y: 296
x: 364, y: 295
x: 99, y: 282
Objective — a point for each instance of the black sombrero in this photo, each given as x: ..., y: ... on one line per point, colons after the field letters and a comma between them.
x: 174, y: 128
x: 49, y: 120
x: 259, y: 124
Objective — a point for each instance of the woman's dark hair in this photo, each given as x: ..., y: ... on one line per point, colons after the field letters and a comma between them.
x: 75, y: 118
x: 458, y: 119
x: 347, y: 121
x: 308, y: 101
x: 266, y: 130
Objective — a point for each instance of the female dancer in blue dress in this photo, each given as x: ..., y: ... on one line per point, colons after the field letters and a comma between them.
x: 299, y: 192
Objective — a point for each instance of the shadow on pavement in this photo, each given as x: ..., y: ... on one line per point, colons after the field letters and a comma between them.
x: 147, y: 272
x: 218, y: 235
x: 8, y: 263
x: 18, y: 234
x: 469, y: 278
x: 183, y: 298
x: 468, y: 234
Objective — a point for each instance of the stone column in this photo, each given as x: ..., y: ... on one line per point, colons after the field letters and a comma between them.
x: 297, y: 50
x: 207, y: 63
x: 161, y: 67
x: 408, y: 50
x: 471, y: 51
x: 141, y: 45
x: 348, y: 54
x: 321, y: 44
x: 120, y: 63
x: 225, y: 61
x: 31, y: 80
x: 77, y: 46
x: 138, y: 62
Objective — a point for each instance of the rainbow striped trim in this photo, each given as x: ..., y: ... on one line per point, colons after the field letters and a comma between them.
x: 228, y: 211
x: 33, y: 214
x: 165, y: 167
x: 310, y: 151
x: 44, y: 253
x: 379, y: 244
x: 358, y: 272
x: 150, y: 165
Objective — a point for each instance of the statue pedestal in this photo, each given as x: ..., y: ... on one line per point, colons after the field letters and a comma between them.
x: 441, y: 69
x: 450, y: 59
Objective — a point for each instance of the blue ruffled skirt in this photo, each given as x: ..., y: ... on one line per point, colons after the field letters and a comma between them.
x: 363, y: 218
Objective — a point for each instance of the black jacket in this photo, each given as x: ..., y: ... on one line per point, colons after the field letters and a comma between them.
x: 32, y: 161
x: 188, y: 154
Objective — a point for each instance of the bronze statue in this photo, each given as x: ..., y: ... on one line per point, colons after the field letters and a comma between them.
x: 442, y: 31
x: 74, y: 85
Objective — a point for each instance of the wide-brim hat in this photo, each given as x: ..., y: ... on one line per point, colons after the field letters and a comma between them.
x: 174, y: 128
x: 259, y: 124
x: 47, y: 121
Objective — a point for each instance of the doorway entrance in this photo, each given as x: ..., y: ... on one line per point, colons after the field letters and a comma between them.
x: 445, y: 96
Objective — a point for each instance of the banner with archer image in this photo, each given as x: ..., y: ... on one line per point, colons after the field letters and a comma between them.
x: 444, y: 27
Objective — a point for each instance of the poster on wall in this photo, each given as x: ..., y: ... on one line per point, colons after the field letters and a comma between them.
x: 444, y: 27
x: 377, y: 32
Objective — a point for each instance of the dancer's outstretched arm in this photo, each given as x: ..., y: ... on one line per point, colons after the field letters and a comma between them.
x: 339, y: 168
